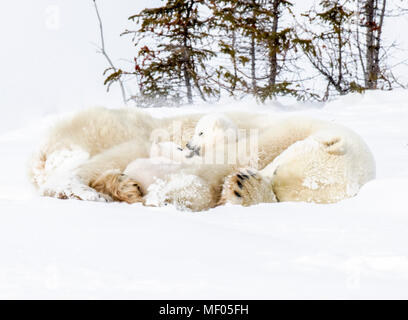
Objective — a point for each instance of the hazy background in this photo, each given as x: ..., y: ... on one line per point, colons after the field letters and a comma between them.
x: 49, y: 62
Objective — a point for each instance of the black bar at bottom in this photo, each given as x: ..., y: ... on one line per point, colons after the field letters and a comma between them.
x: 198, y: 309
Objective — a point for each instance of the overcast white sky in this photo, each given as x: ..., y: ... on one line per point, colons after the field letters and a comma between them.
x: 48, y: 61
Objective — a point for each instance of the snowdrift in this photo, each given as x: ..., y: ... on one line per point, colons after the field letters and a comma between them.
x: 53, y: 248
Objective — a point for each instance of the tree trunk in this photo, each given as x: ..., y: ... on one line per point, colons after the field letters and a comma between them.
x: 186, y: 71
x: 253, y: 64
x: 273, y: 62
x: 234, y: 61
x: 187, y: 81
x: 186, y: 54
x: 378, y: 43
x: 252, y: 51
x: 371, y: 73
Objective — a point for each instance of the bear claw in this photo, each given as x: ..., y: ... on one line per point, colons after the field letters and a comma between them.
x: 119, y: 187
x: 246, y: 188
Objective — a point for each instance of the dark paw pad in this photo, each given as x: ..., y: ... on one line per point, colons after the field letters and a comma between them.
x: 242, y: 176
x: 237, y: 194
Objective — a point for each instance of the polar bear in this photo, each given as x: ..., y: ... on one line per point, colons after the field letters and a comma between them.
x: 299, y: 159
x: 85, y: 157
x: 80, y: 149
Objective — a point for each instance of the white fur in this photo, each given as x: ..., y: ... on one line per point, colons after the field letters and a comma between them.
x: 147, y: 171
x: 311, y: 160
x: 212, y: 129
x: 306, y: 159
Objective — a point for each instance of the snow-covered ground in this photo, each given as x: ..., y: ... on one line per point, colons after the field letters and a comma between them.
x: 357, y: 248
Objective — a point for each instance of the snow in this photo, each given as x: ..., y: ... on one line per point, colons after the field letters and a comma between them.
x: 52, y: 248
x: 185, y: 184
x: 58, y: 249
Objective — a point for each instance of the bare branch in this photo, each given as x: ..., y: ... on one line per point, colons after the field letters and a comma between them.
x: 103, y: 52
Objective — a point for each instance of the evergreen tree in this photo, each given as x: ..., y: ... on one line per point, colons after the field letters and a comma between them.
x: 233, y: 59
x: 200, y: 49
x: 174, y: 48
x: 256, y: 46
x: 278, y: 44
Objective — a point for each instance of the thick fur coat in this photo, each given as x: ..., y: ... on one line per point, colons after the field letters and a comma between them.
x: 105, y: 155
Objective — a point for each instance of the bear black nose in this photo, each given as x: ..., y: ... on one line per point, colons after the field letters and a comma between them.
x: 189, y: 146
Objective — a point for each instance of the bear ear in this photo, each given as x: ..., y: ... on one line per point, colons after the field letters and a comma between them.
x: 155, y: 140
x: 218, y: 123
x: 224, y: 123
x: 335, y: 145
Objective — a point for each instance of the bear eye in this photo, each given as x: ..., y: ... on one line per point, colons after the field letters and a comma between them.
x: 201, y: 133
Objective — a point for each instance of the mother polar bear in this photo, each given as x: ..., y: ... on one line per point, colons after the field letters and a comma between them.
x: 297, y: 159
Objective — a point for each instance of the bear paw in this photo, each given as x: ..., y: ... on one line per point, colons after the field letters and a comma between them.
x: 247, y: 187
x: 119, y: 187
x: 72, y: 188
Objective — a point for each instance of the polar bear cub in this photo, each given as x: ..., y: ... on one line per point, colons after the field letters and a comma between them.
x: 173, y: 176
x: 217, y: 139
x: 166, y: 158
x: 210, y: 132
